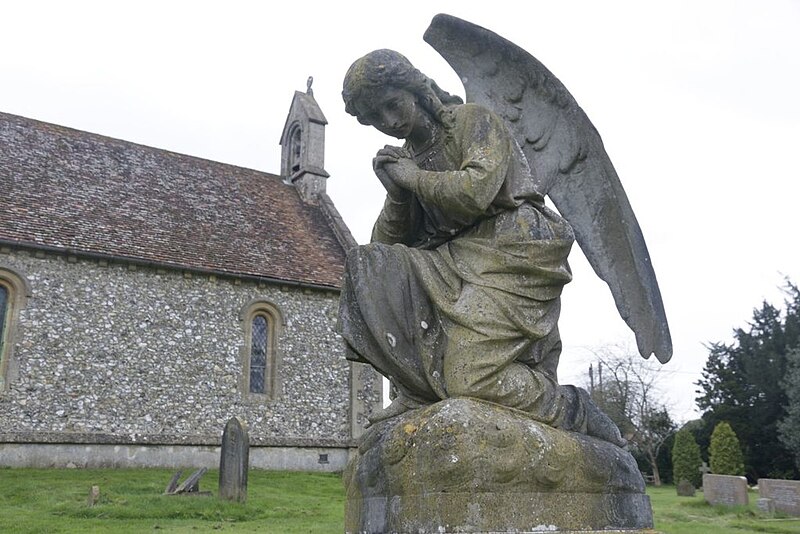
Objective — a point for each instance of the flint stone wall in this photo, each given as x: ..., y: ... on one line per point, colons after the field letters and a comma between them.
x: 116, y: 353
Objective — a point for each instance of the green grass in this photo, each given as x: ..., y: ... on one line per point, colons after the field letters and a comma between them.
x: 131, y: 501
x: 685, y: 515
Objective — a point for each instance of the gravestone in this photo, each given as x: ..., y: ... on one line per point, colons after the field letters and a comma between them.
x: 685, y: 488
x: 704, y: 469
x: 784, y: 494
x: 725, y: 490
x: 234, y: 461
x: 94, y: 496
x: 766, y: 506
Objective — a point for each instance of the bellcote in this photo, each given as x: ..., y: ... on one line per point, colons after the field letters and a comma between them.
x: 303, y: 146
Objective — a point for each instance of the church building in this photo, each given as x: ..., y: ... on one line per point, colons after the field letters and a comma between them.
x: 146, y: 297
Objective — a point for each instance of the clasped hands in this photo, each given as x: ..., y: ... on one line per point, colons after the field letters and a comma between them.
x: 396, y: 170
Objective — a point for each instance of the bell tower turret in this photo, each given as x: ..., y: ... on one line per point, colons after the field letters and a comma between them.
x: 303, y: 146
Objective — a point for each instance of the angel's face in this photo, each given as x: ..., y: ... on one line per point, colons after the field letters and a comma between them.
x: 391, y: 110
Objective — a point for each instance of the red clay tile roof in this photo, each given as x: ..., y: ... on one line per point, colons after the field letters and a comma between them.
x: 82, y: 192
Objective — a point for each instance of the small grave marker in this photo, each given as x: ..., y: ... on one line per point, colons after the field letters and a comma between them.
x: 685, y: 488
x: 766, y: 505
x: 94, y: 496
x: 190, y: 486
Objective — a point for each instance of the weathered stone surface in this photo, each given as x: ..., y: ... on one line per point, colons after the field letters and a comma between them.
x: 766, y: 505
x: 457, y: 299
x: 234, y: 461
x: 685, y: 488
x: 106, y: 354
x: 725, y: 490
x: 784, y: 494
x: 463, y: 465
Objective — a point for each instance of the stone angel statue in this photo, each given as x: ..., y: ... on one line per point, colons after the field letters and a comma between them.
x: 458, y: 294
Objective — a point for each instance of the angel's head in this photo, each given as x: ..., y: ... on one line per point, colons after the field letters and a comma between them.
x: 385, y: 79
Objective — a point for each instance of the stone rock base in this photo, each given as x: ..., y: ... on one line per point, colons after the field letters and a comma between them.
x: 463, y: 465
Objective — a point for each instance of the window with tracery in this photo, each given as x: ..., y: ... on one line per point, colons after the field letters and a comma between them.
x: 259, y: 347
x: 261, y: 320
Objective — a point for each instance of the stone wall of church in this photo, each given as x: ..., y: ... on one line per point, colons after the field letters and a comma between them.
x: 116, y: 353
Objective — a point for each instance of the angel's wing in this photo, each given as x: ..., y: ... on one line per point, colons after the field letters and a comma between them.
x: 569, y: 164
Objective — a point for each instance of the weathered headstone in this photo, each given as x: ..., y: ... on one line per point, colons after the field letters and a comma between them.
x: 173, y: 483
x: 784, y: 494
x: 725, y: 490
x: 190, y: 486
x: 234, y: 461
x: 767, y: 506
x: 685, y: 488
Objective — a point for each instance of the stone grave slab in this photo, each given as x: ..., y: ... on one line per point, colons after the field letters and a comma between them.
x: 725, y: 490
x: 766, y: 505
x: 784, y: 494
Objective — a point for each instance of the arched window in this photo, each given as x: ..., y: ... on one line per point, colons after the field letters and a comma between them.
x: 260, y: 370
x: 14, y: 291
x: 261, y: 327
x: 296, y: 150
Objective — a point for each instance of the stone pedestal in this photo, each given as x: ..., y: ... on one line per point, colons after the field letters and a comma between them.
x: 463, y: 465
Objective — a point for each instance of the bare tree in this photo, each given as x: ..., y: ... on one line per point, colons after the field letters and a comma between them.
x: 627, y: 389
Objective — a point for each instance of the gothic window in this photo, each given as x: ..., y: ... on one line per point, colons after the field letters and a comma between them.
x: 259, y: 347
x: 3, y: 312
x: 261, y: 321
x: 13, y: 292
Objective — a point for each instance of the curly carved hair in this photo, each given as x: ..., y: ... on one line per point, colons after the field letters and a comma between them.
x: 383, y: 68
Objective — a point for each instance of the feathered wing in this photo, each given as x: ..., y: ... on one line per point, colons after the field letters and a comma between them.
x: 569, y: 164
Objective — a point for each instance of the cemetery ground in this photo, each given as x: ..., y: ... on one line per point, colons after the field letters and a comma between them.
x: 132, y: 500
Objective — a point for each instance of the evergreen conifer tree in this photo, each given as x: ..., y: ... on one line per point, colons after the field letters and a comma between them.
x: 789, y: 426
x: 724, y: 452
x: 686, y: 459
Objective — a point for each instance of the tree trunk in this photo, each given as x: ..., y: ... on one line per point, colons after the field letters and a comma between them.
x: 654, y: 465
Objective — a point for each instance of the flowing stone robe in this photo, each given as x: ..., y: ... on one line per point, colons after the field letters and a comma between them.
x: 459, y: 292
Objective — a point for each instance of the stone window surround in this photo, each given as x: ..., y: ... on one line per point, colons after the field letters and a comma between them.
x: 295, y: 148
x: 275, y: 324
x: 19, y: 290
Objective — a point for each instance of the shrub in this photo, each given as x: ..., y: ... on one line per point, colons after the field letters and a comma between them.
x: 724, y: 452
x: 686, y: 459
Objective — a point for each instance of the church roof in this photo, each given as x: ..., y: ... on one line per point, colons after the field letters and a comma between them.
x: 79, y: 192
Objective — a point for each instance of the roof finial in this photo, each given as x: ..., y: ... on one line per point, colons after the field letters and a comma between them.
x: 309, y: 91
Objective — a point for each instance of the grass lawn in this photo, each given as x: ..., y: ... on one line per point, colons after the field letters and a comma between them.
x: 131, y: 501
x: 684, y: 515
x: 52, y: 501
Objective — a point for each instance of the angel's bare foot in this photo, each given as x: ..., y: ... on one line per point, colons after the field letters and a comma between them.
x: 399, y: 405
x: 599, y: 425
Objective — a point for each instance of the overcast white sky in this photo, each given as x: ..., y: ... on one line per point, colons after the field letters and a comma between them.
x: 696, y: 102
